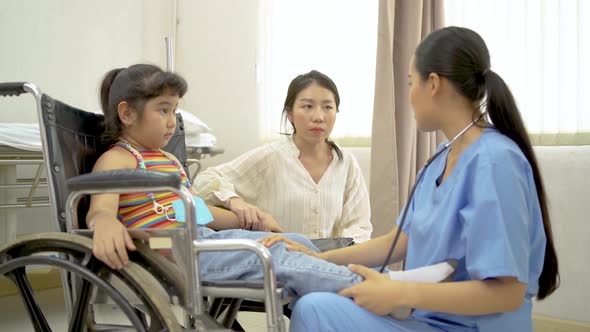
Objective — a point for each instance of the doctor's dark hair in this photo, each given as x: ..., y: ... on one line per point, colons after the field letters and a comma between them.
x: 136, y: 85
x: 461, y: 55
x: 300, y: 83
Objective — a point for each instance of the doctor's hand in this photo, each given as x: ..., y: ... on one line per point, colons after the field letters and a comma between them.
x: 250, y: 216
x: 377, y: 293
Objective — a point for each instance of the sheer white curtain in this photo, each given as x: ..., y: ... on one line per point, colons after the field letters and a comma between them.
x: 335, y: 37
x: 541, y: 49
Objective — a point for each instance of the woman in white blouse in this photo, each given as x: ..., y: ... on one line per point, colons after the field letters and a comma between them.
x: 305, y: 182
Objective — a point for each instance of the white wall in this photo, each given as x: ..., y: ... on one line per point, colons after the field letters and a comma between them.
x: 67, y: 48
x: 216, y: 53
x: 566, y: 171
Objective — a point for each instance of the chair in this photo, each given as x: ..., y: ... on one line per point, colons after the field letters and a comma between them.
x: 147, y: 286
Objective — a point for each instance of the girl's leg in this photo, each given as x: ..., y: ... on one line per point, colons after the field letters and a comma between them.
x: 332, y: 312
x: 300, y: 273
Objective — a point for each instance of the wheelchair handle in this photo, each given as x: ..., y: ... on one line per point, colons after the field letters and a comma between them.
x: 12, y: 89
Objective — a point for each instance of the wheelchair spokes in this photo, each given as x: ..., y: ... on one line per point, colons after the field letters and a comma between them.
x: 88, y: 279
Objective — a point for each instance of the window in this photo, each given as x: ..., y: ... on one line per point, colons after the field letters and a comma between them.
x: 541, y: 49
x: 335, y: 37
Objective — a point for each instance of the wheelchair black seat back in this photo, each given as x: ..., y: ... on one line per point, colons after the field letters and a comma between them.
x: 74, y: 140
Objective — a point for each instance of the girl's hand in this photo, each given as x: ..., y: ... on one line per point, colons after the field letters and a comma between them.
x: 270, y: 240
x: 250, y: 216
x: 377, y: 293
x: 111, y: 242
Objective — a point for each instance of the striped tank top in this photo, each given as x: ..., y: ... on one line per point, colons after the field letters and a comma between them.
x: 137, y: 210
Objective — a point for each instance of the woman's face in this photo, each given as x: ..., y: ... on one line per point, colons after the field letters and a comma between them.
x: 314, y: 113
x: 421, y: 99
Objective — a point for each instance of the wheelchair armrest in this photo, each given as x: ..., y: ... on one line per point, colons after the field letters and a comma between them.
x: 123, y: 179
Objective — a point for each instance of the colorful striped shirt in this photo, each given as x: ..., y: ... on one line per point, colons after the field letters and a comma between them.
x: 137, y: 210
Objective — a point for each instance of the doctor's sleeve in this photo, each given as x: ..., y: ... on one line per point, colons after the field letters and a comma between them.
x: 497, y: 221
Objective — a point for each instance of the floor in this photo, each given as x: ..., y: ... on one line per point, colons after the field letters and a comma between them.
x: 13, y: 316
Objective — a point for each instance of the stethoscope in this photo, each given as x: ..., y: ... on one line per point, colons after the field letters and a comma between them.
x: 420, y: 175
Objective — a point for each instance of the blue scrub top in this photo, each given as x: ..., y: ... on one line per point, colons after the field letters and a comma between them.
x: 486, y: 215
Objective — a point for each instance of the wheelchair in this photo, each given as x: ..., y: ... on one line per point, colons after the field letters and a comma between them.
x: 154, y: 279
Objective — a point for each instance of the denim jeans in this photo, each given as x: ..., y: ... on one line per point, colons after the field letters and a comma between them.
x: 300, y: 273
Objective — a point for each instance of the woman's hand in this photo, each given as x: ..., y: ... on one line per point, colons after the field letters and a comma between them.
x: 111, y: 242
x: 250, y: 216
x: 270, y: 240
x: 269, y: 224
x: 377, y: 293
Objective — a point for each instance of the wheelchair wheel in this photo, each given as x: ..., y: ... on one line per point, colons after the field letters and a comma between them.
x: 150, y: 310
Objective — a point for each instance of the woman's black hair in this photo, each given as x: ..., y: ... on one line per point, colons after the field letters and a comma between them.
x: 301, y: 82
x: 461, y: 55
x: 135, y: 85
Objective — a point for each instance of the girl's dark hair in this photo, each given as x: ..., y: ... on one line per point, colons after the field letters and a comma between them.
x: 301, y: 82
x: 461, y: 55
x: 135, y: 85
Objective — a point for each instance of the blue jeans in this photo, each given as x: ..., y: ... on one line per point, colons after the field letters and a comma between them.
x: 300, y: 273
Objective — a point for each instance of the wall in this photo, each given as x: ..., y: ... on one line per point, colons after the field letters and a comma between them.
x: 566, y: 171
x: 65, y: 47
x: 216, y: 52
x: 51, y: 44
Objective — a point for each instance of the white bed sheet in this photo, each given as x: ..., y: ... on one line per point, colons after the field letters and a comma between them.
x: 26, y: 136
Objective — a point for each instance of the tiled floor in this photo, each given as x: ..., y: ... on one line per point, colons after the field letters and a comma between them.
x: 13, y: 316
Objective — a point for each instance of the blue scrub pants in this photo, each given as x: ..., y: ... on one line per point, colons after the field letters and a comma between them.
x: 331, y: 312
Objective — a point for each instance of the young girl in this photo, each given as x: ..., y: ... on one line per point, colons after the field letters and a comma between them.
x: 305, y: 181
x: 481, y: 203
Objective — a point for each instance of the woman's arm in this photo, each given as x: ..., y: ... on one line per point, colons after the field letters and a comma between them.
x: 356, y: 210
x: 244, y: 175
x: 371, y: 253
x: 381, y: 295
x: 474, y: 297
x: 226, y: 219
